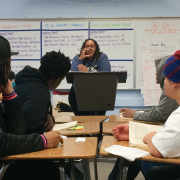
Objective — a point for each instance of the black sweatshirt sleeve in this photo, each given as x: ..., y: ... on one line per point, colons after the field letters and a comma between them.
x: 14, y: 120
x: 17, y: 144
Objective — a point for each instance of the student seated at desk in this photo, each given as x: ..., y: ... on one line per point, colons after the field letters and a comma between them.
x: 89, y: 59
x: 166, y: 105
x: 32, y: 87
x: 12, y: 125
x: 164, y: 143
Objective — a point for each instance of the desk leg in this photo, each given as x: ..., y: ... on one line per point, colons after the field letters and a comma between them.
x: 123, y: 169
x: 62, y: 173
x: 87, y: 175
x: 126, y: 164
x: 100, y: 134
x: 95, y: 169
x: 72, y: 169
x: 120, y: 168
x: 3, y: 170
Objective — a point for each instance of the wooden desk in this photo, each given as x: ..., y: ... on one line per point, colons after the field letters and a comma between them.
x: 117, y: 118
x: 63, y: 119
x: 108, y: 126
x: 109, y: 141
x: 56, y: 114
x: 69, y: 150
x: 89, y: 128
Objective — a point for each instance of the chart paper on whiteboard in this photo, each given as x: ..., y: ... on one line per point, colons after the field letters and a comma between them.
x: 150, y: 89
x: 152, y: 34
x: 116, y: 39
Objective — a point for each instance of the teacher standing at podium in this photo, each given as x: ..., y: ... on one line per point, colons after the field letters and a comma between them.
x: 90, y: 59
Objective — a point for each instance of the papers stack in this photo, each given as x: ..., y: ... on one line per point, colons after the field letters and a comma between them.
x: 126, y: 152
x: 59, y: 127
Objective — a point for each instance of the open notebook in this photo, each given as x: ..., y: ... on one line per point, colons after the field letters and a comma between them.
x: 137, y: 131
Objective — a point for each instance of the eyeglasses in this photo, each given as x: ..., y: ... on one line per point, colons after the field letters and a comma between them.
x: 92, y: 46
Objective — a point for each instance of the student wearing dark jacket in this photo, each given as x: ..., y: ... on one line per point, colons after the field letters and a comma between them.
x: 33, y: 85
x: 12, y: 124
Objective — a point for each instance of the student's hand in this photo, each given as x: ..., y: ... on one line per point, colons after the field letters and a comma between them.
x: 83, y: 68
x: 53, y: 139
x: 127, y: 112
x: 8, y: 89
x: 121, y: 132
x: 83, y: 54
x: 49, y: 123
x: 147, y: 138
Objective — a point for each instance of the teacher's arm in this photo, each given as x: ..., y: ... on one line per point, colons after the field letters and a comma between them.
x: 75, y: 62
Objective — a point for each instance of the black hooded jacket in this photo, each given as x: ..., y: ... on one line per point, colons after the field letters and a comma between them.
x: 31, y: 87
x: 13, y: 141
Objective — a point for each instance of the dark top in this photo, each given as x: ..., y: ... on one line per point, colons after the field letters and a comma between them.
x: 11, y: 118
x: 31, y: 87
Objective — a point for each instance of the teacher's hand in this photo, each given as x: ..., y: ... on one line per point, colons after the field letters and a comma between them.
x: 83, y: 54
x: 83, y: 68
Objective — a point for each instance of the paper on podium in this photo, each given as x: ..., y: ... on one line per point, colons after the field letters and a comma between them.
x: 126, y: 152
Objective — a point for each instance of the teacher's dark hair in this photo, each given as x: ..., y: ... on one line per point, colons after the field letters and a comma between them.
x: 54, y: 65
x: 97, y: 52
x: 4, y: 70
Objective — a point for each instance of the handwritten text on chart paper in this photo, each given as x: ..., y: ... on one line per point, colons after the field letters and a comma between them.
x: 52, y: 25
x: 51, y: 38
x: 158, y: 27
x: 105, y: 39
x: 27, y: 44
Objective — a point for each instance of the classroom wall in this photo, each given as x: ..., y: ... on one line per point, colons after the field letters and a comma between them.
x: 22, y: 9
x: 80, y: 8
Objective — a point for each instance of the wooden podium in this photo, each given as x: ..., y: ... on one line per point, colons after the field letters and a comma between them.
x: 96, y: 91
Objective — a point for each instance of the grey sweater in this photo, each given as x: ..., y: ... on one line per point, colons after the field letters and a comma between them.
x: 166, y: 105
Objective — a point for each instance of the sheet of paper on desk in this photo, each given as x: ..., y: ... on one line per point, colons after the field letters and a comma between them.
x: 80, y: 139
x: 59, y: 127
x: 121, y: 115
x: 126, y: 152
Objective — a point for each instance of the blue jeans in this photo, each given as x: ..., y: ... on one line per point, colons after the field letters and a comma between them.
x: 136, y: 166
x: 145, y: 166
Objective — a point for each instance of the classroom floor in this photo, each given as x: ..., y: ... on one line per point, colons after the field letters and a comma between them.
x: 104, y: 169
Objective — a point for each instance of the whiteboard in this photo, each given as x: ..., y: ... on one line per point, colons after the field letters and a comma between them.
x: 116, y: 39
x: 155, y: 38
x: 25, y: 38
x: 67, y: 36
x: 126, y: 42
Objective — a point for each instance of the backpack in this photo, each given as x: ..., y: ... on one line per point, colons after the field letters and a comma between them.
x: 63, y: 107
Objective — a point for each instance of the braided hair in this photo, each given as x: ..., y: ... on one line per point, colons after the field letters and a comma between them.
x: 97, y: 51
x: 54, y: 65
x: 4, y: 70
